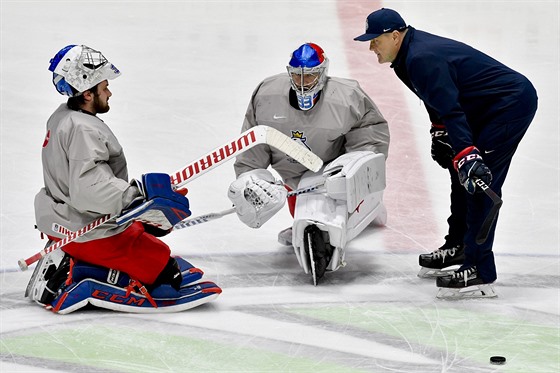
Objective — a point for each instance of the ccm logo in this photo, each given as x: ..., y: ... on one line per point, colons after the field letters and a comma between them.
x: 468, y: 158
x: 130, y: 300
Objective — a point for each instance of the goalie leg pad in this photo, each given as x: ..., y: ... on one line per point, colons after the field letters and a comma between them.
x: 332, y: 216
x: 354, y: 176
x: 107, y: 288
x: 82, y: 271
x: 115, y: 298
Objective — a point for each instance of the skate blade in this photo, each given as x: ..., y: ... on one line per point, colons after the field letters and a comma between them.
x: 312, y: 261
x: 434, y: 272
x: 469, y: 292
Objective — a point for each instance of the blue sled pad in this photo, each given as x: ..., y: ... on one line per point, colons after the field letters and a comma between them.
x: 106, y: 288
x: 112, y: 297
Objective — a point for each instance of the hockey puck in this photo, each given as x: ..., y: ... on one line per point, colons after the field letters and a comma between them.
x: 498, y: 360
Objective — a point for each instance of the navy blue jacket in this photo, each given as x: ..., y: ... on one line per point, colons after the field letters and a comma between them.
x: 462, y: 88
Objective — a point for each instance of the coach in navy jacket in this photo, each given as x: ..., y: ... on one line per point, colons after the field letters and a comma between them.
x: 480, y: 109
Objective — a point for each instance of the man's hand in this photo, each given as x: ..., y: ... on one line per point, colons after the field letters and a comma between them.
x: 442, y: 152
x: 470, y: 166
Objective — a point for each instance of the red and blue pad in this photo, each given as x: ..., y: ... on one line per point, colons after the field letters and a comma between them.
x: 162, y: 206
x: 114, y: 290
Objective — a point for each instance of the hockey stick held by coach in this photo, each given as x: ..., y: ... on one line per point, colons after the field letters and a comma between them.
x: 480, y: 109
x: 336, y: 120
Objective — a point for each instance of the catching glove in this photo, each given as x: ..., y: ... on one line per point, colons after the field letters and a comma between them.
x: 257, y: 197
x: 442, y: 152
x: 470, y: 166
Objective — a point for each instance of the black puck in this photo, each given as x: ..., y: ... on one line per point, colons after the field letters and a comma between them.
x: 498, y: 360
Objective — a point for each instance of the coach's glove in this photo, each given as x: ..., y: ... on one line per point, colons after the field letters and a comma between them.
x: 257, y: 197
x: 442, y: 152
x: 470, y: 166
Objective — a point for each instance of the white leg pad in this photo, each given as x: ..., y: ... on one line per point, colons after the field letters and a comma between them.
x: 332, y: 216
x: 362, y: 174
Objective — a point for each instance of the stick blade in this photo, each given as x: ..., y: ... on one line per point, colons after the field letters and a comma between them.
x: 294, y: 149
x: 488, y: 223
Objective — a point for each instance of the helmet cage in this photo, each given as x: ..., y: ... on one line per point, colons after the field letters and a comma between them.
x: 79, y: 68
x: 307, y: 82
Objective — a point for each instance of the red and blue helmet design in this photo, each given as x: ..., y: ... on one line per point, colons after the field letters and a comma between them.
x: 307, y: 69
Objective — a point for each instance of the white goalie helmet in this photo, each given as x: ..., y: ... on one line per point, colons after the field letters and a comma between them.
x: 77, y: 68
x: 308, y: 69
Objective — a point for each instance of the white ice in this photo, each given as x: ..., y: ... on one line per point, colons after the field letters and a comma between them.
x: 189, y: 68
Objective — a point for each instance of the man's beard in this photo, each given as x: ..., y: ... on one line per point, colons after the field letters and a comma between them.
x: 100, y: 107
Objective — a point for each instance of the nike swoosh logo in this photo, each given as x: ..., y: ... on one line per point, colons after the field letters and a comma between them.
x: 489, y: 151
x: 386, y: 29
x: 278, y: 117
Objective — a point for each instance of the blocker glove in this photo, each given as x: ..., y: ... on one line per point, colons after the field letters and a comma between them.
x: 442, y: 152
x: 157, y: 205
x: 470, y: 166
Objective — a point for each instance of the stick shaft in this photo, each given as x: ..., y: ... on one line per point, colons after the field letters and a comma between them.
x: 248, y: 139
x: 492, y: 214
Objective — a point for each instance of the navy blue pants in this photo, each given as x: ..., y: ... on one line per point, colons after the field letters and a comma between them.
x: 457, y: 221
x: 497, y: 143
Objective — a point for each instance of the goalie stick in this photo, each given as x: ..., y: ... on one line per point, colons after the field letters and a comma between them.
x: 246, y: 140
x: 216, y: 215
x: 492, y: 214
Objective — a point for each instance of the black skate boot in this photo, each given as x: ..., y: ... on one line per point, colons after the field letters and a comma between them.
x: 320, y: 252
x: 438, y: 263
x: 464, y: 284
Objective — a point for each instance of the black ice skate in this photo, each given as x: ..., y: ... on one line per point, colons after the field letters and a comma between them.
x: 464, y: 284
x: 50, y: 273
x: 442, y: 261
x: 320, y: 252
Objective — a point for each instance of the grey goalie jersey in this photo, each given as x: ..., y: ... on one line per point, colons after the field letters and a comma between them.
x: 344, y: 119
x: 85, y: 175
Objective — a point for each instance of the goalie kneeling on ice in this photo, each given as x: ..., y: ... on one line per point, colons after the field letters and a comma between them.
x: 354, y: 184
x: 106, y: 288
x: 157, y: 205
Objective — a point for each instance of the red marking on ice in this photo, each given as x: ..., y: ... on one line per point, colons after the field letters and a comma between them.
x: 410, y: 216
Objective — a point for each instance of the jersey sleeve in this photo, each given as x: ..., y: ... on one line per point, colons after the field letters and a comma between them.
x: 434, y: 80
x: 371, y: 131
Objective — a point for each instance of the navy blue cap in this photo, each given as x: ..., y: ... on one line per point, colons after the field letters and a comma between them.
x: 381, y: 21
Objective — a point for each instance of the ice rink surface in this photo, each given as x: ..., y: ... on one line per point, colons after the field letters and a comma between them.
x: 189, y: 68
